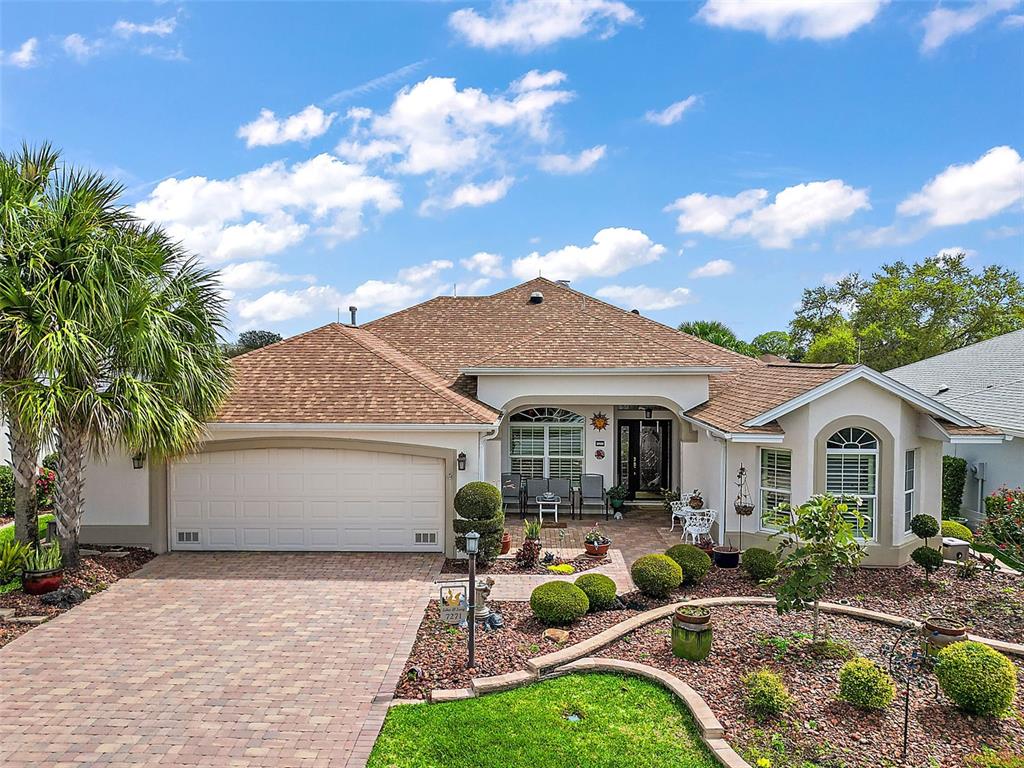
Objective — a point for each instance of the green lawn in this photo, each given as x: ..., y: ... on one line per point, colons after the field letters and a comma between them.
x: 624, y: 721
x: 7, y: 534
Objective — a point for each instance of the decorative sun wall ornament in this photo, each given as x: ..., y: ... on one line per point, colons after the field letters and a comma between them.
x: 599, y: 421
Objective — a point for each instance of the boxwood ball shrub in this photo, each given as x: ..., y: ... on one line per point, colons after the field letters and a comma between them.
x: 760, y: 563
x: 955, y: 530
x: 599, y: 589
x: 978, y: 679
x: 559, y: 602
x: 693, y: 560
x: 656, y: 575
x: 864, y: 685
x: 478, y: 506
x: 924, y: 526
x: 929, y: 559
x: 766, y: 695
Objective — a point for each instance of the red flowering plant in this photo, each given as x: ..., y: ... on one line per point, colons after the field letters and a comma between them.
x: 1003, y: 527
x: 46, y: 483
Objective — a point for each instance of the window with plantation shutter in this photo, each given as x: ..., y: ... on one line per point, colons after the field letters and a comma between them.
x: 851, y: 469
x: 546, y: 442
x: 776, y: 487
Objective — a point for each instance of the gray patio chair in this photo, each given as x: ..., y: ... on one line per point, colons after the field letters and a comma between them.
x: 512, y: 492
x: 561, y: 487
x: 535, y: 486
x: 593, y: 494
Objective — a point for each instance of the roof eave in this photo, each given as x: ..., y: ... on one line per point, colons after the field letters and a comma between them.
x: 319, y: 426
x: 734, y: 437
x: 687, y: 370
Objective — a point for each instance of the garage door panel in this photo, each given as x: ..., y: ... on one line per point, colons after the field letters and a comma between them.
x: 309, y: 498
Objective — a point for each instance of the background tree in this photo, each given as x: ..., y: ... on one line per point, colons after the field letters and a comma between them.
x: 774, y: 343
x: 717, y: 333
x: 250, y: 340
x: 838, y: 344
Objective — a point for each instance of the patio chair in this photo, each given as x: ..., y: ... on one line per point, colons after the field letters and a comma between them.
x: 560, y: 487
x: 680, y: 511
x: 593, y: 494
x: 535, y: 486
x: 512, y: 491
x: 698, y: 523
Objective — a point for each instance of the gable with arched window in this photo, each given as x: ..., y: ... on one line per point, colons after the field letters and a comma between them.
x: 851, y: 468
x: 546, y: 442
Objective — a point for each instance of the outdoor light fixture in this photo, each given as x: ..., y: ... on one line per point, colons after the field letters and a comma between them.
x: 648, y: 413
x: 472, y: 547
x: 462, y: 461
x: 138, y: 460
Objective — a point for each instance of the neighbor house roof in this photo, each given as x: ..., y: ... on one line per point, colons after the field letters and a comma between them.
x: 984, y: 381
x: 339, y: 374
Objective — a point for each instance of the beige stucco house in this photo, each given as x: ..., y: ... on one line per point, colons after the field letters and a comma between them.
x: 356, y: 438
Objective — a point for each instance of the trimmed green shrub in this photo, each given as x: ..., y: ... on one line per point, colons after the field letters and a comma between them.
x: 6, y: 492
x: 766, y: 696
x: 656, y: 575
x: 953, y: 529
x: 693, y: 560
x: 979, y: 679
x: 929, y: 559
x: 954, y: 476
x: 760, y: 563
x: 599, y: 589
x: 478, y: 506
x: 50, y: 461
x: 864, y: 685
x: 924, y: 526
x: 13, y: 556
x: 989, y: 758
x: 559, y: 602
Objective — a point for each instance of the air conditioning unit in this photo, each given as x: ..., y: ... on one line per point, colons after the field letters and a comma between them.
x: 979, y: 470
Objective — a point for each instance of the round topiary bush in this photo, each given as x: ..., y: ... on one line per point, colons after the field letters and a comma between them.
x: 478, y: 501
x: 559, y: 602
x: 693, y: 560
x: 766, y: 695
x: 955, y: 530
x: 656, y: 575
x: 929, y: 559
x: 760, y: 563
x: 864, y: 685
x: 479, y: 509
x: 599, y: 589
x: 924, y: 526
x: 978, y: 679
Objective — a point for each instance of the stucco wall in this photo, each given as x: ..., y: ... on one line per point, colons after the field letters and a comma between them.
x: 674, y: 391
x: 1004, y: 465
x: 116, y: 493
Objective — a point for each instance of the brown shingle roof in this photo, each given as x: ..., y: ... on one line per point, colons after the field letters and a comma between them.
x: 953, y: 429
x: 338, y: 374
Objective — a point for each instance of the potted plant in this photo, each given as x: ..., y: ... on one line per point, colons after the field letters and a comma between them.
x: 617, y: 496
x: 44, y: 571
x: 696, y: 500
x: 506, y: 542
x: 691, y: 633
x: 528, y: 554
x: 596, y: 543
x: 726, y: 556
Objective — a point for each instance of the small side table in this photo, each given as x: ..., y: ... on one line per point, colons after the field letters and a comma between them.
x: 547, y: 502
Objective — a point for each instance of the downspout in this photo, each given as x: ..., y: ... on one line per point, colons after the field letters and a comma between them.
x: 725, y: 482
x: 481, y: 458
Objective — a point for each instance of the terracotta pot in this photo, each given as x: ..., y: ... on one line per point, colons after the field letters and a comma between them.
x: 596, y: 550
x: 696, y: 503
x: 694, y: 616
x: 506, y: 542
x: 945, y: 625
x: 41, y: 582
x: 727, y: 557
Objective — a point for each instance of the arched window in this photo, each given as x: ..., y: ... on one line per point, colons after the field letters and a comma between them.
x: 851, y: 468
x: 546, y: 442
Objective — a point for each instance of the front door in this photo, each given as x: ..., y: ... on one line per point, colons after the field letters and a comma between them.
x: 645, y: 451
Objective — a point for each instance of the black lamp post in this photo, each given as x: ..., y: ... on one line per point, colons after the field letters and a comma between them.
x: 472, y: 547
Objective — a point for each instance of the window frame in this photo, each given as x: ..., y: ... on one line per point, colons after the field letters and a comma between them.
x: 538, y: 420
x: 911, y: 467
x: 762, y: 489
x: 844, y: 452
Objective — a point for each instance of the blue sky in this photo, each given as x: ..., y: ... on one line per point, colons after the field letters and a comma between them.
x: 704, y: 160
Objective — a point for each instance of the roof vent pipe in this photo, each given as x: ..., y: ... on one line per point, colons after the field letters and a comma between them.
x: 352, y: 312
x: 634, y: 311
x: 563, y: 282
x: 536, y: 297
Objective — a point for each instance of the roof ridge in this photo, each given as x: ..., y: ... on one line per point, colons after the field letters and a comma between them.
x: 438, y: 388
x: 650, y: 338
x: 282, y: 341
x: 402, y: 311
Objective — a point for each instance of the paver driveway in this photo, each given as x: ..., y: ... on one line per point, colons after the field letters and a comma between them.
x: 218, y: 660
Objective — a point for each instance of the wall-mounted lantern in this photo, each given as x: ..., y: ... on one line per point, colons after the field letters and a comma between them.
x: 139, y: 460
x: 648, y: 413
x: 462, y: 461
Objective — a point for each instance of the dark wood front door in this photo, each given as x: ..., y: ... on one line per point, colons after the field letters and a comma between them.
x: 645, y: 456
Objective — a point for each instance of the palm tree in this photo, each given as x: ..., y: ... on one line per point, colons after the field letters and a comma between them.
x: 717, y: 333
x: 130, y: 360
x: 24, y: 178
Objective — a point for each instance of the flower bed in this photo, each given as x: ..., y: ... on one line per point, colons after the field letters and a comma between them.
x: 819, y: 728
x: 509, y: 566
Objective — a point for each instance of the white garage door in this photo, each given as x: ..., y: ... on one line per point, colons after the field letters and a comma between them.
x: 307, y: 499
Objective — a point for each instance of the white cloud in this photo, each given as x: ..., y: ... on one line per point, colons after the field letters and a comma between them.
x: 944, y: 23
x: 796, y: 212
x: 250, y: 275
x: 1013, y: 21
x: 569, y: 164
x: 673, y: 113
x: 999, y: 233
x: 472, y: 195
x: 964, y: 193
x: 268, y: 209
x: 713, y: 268
x: 487, y: 264
x: 279, y: 306
x: 267, y: 130
x: 613, y: 251
x: 809, y: 19
x: 526, y: 25
x: 433, y: 127
x: 158, y: 27
x: 644, y: 297
x: 379, y: 294
x: 956, y: 250
x: 423, y: 272
x: 535, y: 80
x: 25, y: 56
x: 80, y: 49
x: 471, y: 288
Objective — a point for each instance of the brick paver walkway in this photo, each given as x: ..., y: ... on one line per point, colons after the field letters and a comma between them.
x: 212, y: 660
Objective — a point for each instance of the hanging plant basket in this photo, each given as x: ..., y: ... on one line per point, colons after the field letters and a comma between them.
x: 744, y: 510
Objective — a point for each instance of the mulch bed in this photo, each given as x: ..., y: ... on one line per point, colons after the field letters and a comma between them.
x: 819, y: 728
x: 509, y: 566
x: 94, y: 574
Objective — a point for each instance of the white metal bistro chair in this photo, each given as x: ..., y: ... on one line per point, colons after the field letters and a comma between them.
x: 680, y: 511
x: 698, y: 523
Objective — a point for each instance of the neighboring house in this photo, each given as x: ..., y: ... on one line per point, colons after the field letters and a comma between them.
x: 984, y: 381
x: 357, y: 438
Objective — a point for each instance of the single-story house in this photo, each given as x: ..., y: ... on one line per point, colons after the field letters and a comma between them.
x: 357, y: 438
x: 984, y: 381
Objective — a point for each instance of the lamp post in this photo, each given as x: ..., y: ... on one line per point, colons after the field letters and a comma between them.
x: 472, y: 547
